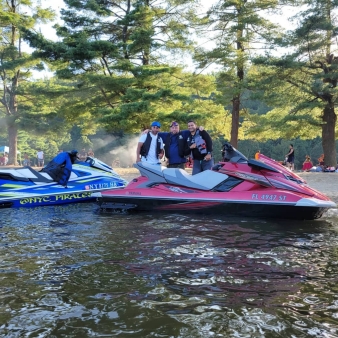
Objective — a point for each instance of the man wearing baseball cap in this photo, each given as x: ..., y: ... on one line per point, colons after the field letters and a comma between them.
x: 150, y: 146
x: 176, y: 146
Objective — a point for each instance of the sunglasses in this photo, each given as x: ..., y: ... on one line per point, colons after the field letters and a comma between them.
x: 156, y: 127
x: 174, y: 124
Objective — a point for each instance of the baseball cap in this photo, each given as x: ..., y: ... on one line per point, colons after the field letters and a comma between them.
x: 156, y: 124
x: 174, y: 124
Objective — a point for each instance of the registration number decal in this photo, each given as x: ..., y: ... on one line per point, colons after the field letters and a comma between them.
x: 268, y: 197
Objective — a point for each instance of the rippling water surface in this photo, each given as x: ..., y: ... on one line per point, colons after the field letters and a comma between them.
x: 73, y: 272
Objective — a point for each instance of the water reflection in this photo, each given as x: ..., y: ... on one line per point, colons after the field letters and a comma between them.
x: 71, y: 272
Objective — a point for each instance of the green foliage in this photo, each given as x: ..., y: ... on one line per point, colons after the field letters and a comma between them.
x: 306, y: 78
x: 237, y: 27
x: 15, y: 65
x: 110, y: 58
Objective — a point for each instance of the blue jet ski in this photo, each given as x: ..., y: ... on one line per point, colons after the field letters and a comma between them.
x: 63, y: 180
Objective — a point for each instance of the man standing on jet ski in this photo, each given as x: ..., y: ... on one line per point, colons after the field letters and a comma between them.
x: 150, y: 146
x: 200, y: 144
x: 175, y: 146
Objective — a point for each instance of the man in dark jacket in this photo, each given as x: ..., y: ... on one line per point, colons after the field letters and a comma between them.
x: 176, y: 146
x: 200, y: 144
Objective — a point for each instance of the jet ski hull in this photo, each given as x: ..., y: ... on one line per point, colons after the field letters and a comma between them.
x: 111, y: 200
x: 25, y: 187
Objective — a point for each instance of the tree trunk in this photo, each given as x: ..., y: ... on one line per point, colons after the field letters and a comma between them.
x: 235, y: 121
x: 328, y: 135
x: 13, y: 141
x: 236, y: 100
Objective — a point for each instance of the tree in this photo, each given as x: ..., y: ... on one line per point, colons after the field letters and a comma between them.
x: 14, y: 63
x: 115, y: 52
x: 306, y: 77
x: 239, y: 28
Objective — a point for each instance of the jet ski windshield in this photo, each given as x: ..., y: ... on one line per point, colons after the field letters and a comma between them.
x: 95, y: 163
x: 231, y: 154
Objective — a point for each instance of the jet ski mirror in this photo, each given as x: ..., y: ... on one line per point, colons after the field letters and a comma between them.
x: 90, y: 160
x: 231, y: 154
x: 96, y: 163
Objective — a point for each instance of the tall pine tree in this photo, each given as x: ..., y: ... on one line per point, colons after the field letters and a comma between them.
x: 15, y: 65
x: 115, y: 52
x: 306, y: 77
x: 239, y: 29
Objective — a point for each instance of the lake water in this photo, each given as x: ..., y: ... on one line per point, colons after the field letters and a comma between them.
x: 71, y: 271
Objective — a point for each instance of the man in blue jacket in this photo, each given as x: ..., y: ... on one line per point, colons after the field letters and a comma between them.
x: 176, y: 146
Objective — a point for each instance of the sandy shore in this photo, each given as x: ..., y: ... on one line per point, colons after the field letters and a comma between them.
x: 326, y: 183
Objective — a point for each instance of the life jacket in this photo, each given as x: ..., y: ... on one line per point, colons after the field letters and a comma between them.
x: 59, y: 168
x: 201, y: 146
x: 146, y: 146
x: 183, y: 148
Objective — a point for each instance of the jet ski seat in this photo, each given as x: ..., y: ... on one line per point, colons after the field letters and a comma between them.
x: 205, y: 180
x: 153, y: 172
x: 25, y: 174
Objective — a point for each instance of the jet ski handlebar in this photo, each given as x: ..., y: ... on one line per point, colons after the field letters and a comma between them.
x: 231, y: 154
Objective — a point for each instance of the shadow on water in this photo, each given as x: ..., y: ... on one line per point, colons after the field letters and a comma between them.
x: 71, y: 272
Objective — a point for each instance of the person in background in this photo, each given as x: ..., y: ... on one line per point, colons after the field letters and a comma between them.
x: 26, y: 161
x: 150, y: 146
x: 200, y: 144
x: 2, y: 159
x: 307, y: 164
x: 117, y: 164
x: 6, y: 158
x: 83, y: 155
x: 321, y: 160
x: 90, y: 152
x: 257, y: 154
x: 290, y: 162
x: 40, y: 157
